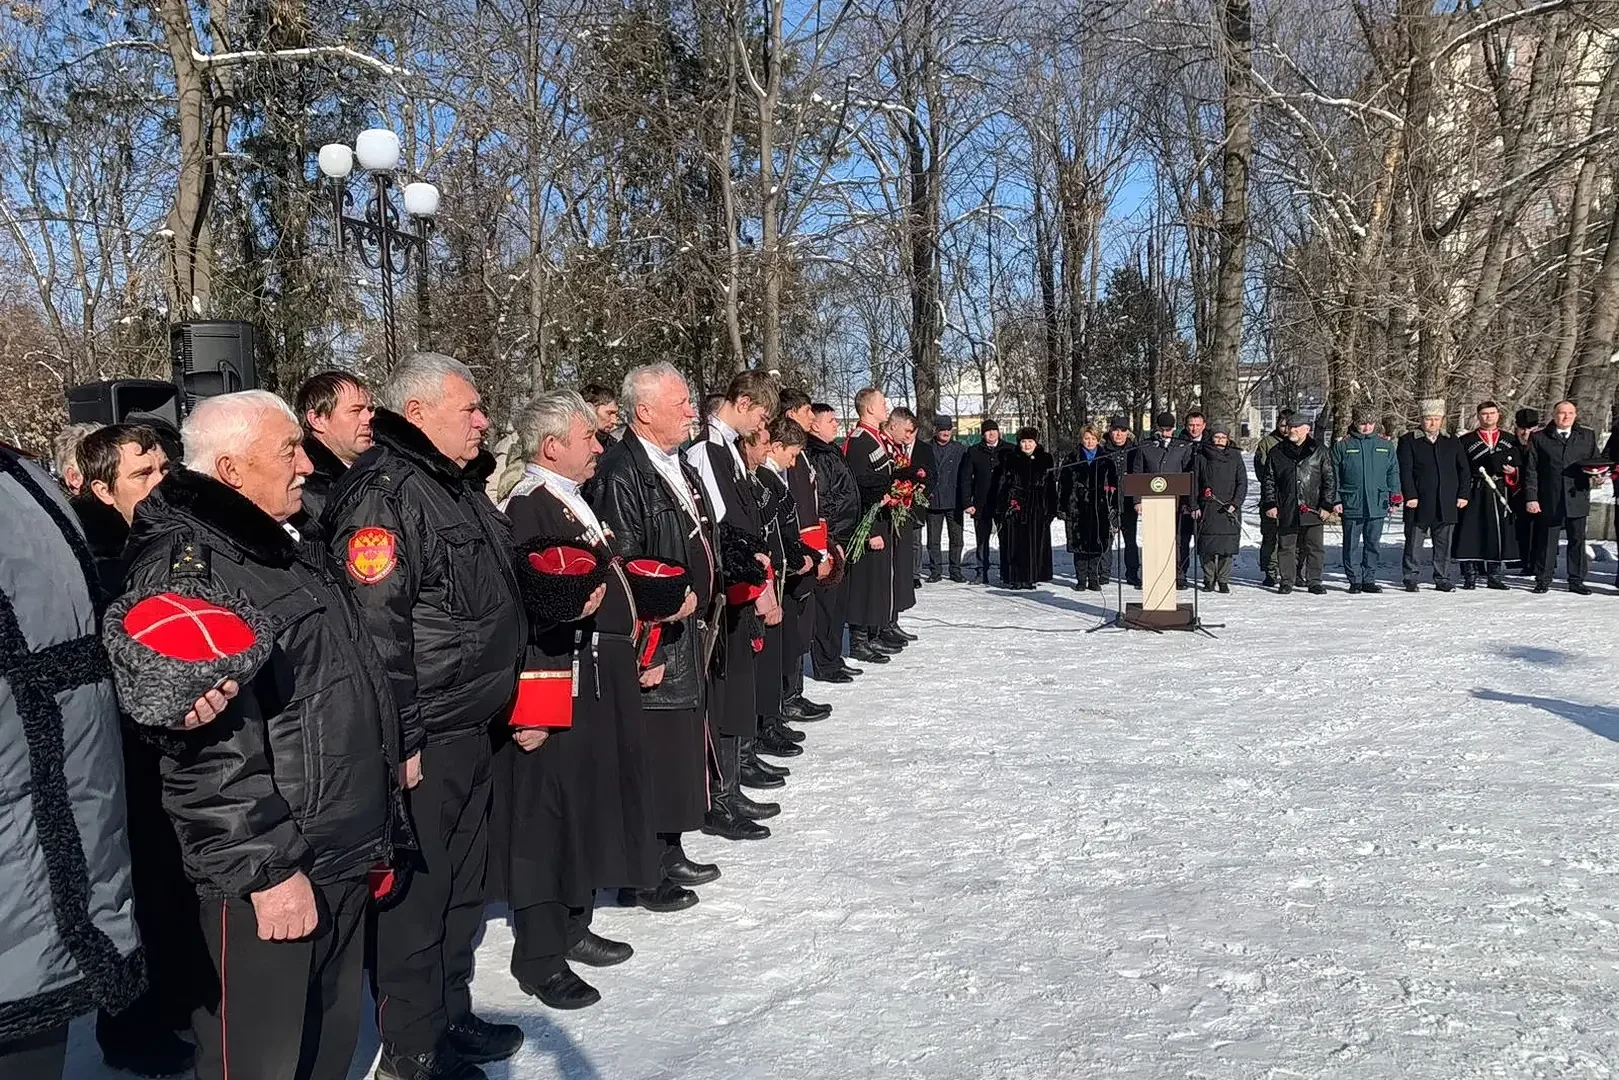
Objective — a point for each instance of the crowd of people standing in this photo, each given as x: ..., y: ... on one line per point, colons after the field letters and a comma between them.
x: 367, y: 683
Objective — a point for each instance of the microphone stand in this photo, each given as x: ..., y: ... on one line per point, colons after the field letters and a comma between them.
x: 1116, y: 551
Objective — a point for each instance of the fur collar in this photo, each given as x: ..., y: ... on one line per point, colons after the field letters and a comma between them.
x: 404, y: 438
x: 326, y: 463
x: 104, y: 527
x: 188, y: 498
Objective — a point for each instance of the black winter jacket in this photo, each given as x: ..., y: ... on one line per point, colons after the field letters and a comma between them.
x: 1300, y: 482
x: 1552, y: 473
x: 1157, y: 456
x: 297, y: 774
x: 433, y: 577
x: 945, y: 493
x: 840, y: 499
x: 318, y: 484
x: 1435, y: 475
x: 981, y: 475
x: 632, y: 499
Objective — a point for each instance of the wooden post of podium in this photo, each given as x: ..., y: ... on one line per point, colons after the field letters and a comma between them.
x: 1160, y: 495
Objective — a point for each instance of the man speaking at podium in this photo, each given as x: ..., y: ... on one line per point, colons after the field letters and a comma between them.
x: 1166, y: 453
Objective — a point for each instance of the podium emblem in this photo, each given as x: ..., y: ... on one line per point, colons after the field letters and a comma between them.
x: 1159, y: 485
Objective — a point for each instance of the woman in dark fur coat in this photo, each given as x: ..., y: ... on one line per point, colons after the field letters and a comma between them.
x: 1222, y: 487
x: 1028, y: 505
x: 1089, y: 487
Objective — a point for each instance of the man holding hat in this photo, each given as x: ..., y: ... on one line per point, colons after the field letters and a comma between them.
x: 1434, y: 484
x: 945, y: 497
x: 1267, y: 525
x: 1167, y: 453
x: 1296, y: 489
x: 981, y: 475
x: 1368, y: 472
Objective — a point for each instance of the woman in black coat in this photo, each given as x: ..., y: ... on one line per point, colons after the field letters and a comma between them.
x: 1028, y: 505
x: 1089, y: 488
x: 1222, y: 487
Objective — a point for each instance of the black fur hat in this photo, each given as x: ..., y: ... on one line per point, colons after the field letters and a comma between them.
x: 659, y: 587
x: 745, y: 576
x: 170, y: 648
x: 557, y: 577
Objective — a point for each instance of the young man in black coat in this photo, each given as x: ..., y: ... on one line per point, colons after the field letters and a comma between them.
x: 335, y: 409
x: 1557, y: 490
x: 1484, y: 532
x: 981, y: 474
x: 840, y: 506
x: 1434, y: 487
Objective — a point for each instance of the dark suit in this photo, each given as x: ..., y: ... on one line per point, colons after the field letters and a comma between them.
x: 1433, y: 475
x: 1553, y: 478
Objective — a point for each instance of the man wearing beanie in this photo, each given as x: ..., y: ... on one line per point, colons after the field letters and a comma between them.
x: 1368, y: 484
x: 981, y: 475
x: 1433, y: 481
x: 1165, y: 453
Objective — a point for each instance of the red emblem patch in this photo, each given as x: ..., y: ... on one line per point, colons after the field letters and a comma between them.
x: 188, y: 629
x: 372, y: 555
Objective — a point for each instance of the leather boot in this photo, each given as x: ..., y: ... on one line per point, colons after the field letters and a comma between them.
x: 594, y: 950
x: 669, y: 896
x: 777, y: 726
x: 478, y: 1041
x: 754, y: 811
x: 682, y: 871
x: 752, y: 776
x: 722, y: 820
x: 891, y: 637
x: 769, y: 768
x: 802, y: 711
x: 769, y: 742
x: 443, y: 1064
x: 862, y: 649
x: 564, y: 990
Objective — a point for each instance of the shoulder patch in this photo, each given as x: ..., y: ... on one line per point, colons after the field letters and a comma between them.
x: 372, y: 555
x: 876, y: 455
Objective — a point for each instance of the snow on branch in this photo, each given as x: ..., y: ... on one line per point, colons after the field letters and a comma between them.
x: 342, y: 52
x: 1487, y: 25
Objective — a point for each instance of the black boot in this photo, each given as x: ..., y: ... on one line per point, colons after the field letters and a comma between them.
x: 1317, y: 588
x: 669, y: 896
x: 777, y: 726
x: 594, y: 950
x: 839, y: 676
x: 892, y: 638
x: 814, y: 708
x: 769, y: 768
x: 798, y: 711
x: 1354, y: 587
x: 682, y: 871
x: 1469, y: 581
x: 862, y: 649
x: 754, y: 811
x: 957, y: 576
x: 935, y: 577
x: 154, y: 1052
x: 443, y: 1064
x: 851, y: 670
x: 1494, y: 582
x: 1224, y: 587
x: 478, y: 1041
x: 564, y: 990
x: 903, y: 633
x: 723, y: 821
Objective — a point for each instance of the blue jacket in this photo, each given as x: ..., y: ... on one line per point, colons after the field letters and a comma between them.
x: 1368, y: 475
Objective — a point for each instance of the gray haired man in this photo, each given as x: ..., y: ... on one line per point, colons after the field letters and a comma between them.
x: 427, y: 560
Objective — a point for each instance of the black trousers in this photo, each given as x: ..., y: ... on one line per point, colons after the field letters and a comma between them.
x: 1579, y: 562
x: 1127, y: 531
x: 983, y: 530
x: 542, y: 934
x: 1523, y: 523
x: 1415, y: 533
x: 938, y: 521
x: 826, y: 642
x: 1299, y: 554
x: 283, y: 1008
x: 38, y: 1057
x: 1269, y: 547
x: 1183, y: 560
x: 425, y: 939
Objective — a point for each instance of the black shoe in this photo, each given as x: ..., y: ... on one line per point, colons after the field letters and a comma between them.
x: 832, y: 677
x: 594, y: 950
x: 1579, y: 588
x: 564, y: 990
x: 1318, y: 589
x: 685, y: 873
x: 792, y: 709
x: 850, y: 669
x: 769, y: 742
x: 1269, y: 582
x: 1354, y: 587
x: 935, y: 577
x: 769, y: 768
x: 1410, y: 586
x: 891, y: 638
x: 887, y: 648
x: 1080, y: 586
x: 958, y: 577
x: 1135, y: 582
x: 752, y: 776
x: 1207, y: 586
x: 1541, y: 587
x: 1444, y: 586
x: 1096, y: 584
x: 1495, y: 583
x: 864, y: 653
x: 1469, y: 583
x: 1223, y: 587
x: 1180, y: 583
x: 670, y: 895
x: 902, y: 632
x: 916, y: 583
x: 1371, y: 587
x: 723, y: 821
x: 443, y: 1064
x: 1285, y: 588
x: 817, y: 709
x: 754, y: 811
x: 160, y: 1053
x: 776, y: 726
x: 478, y: 1042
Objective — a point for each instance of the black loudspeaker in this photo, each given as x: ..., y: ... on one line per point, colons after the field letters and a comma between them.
x: 212, y: 358
x: 112, y: 401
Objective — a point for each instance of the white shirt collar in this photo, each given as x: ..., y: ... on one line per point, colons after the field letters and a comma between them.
x: 553, y: 480
x: 668, y: 465
x: 726, y: 432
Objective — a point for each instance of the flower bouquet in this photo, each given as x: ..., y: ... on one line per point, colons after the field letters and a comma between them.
x: 905, y: 497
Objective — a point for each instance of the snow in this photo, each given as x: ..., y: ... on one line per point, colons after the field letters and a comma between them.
x: 1364, y: 837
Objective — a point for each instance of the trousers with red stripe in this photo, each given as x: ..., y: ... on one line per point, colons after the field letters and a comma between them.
x: 284, y: 1009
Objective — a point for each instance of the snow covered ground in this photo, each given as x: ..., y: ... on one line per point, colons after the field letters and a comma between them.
x: 1358, y: 837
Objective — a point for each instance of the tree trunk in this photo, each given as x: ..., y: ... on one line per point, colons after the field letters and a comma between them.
x: 202, y: 123
x: 1593, y: 378
x: 1220, y: 396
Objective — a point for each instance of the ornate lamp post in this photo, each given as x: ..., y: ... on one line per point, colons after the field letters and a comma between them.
x: 377, y: 237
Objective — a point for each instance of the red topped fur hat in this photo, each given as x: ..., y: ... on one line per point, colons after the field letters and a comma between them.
x: 659, y: 587
x: 557, y: 578
x: 168, y: 648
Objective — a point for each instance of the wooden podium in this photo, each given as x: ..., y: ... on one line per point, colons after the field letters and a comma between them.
x: 1158, y: 529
